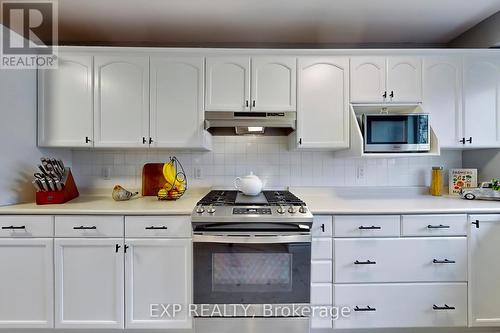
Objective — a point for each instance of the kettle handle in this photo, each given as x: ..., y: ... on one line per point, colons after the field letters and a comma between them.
x: 237, y: 183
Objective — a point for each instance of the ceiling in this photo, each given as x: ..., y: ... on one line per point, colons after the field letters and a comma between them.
x: 241, y: 22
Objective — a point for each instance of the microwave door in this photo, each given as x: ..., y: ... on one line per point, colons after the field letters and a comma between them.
x: 386, y: 133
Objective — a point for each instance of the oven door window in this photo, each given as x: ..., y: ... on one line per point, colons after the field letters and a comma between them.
x: 251, y: 273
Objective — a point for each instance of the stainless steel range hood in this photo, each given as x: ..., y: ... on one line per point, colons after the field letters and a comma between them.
x: 241, y: 123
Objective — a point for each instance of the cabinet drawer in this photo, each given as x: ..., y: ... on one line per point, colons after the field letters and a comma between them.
x: 322, y: 248
x: 89, y: 226
x: 321, y: 271
x: 403, y: 305
x: 401, y: 260
x: 157, y: 226
x: 434, y: 225
x: 367, y: 226
x: 322, y: 226
x: 26, y: 226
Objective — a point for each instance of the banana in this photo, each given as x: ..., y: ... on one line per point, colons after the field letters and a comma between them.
x: 170, y: 175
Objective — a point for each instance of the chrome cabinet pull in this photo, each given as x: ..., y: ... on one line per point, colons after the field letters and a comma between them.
x: 445, y: 307
x: 11, y: 227
x: 441, y: 226
x: 445, y: 261
x: 369, y: 228
x: 82, y: 227
x: 163, y: 227
x: 366, y: 309
x: 367, y: 262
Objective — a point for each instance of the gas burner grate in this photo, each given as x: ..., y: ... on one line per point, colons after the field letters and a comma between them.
x: 219, y: 198
x: 282, y: 198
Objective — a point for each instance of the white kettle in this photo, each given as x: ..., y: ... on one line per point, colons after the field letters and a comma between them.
x: 249, y: 185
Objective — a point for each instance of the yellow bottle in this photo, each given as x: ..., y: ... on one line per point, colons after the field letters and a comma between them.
x: 437, y: 181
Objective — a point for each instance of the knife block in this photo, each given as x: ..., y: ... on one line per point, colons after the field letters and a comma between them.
x: 69, y: 192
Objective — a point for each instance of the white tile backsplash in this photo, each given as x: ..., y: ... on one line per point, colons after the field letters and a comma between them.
x: 268, y: 157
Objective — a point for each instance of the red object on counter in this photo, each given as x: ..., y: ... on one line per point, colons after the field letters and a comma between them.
x: 69, y: 192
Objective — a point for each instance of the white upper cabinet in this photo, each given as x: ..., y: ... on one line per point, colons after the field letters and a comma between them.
x: 158, y: 271
x: 89, y: 283
x: 386, y: 79
x: 323, y: 102
x: 442, y: 98
x: 484, y: 271
x: 121, y: 105
x: 273, y: 84
x: 404, y: 79
x: 227, y: 84
x: 177, y: 102
x: 368, y: 79
x: 27, y: 280
x: 65, y: 103
x: 481, y: 102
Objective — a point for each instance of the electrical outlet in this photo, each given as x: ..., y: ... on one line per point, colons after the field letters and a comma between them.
x: 106, y: 173
x: 360, y: 172
x: 197, y: 173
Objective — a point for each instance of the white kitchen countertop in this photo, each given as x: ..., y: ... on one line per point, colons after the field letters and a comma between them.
x: 358, y: 200
x: 388, y: 200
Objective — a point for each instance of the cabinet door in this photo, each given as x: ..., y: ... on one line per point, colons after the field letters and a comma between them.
x: 158, y: 272
x: 26, y: 288
x: 274, y: 83
x: 227, y: 84
x: 89, y: 283
x: 121, y: 110
x: 484, y: 271
x: 482, y: 102
x: 442, y: 98
x: 323, y: 112
x: 404, y: 79
x: 177, y: 102
x: 368, y: 76
x: 65, y: 101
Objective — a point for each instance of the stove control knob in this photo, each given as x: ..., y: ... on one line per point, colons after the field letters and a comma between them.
x: 211, y: 209
x: 200, y: 209
x: 292, y: 209
x: 281, y: 210
x: 302, y: 209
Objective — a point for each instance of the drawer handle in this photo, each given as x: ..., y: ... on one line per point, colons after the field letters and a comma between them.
x: 368, y: 308
x: 368, y: 262
x: 445, y: 307
x: 11, y: 227
x: 441, y: 226
x: 445, y: 261
x: 163, y: 227
x: 82, y: 227
x: 117, y: 247
x: 369, y: 228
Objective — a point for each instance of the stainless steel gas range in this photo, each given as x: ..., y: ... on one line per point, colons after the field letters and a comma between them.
x: 252, y: 262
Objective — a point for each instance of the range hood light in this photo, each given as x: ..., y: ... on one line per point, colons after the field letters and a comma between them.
x: 242, y: 130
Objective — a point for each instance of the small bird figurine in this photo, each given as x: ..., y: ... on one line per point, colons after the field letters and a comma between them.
x: 121, y: 194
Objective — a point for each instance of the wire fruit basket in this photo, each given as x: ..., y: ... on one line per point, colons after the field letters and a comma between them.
x: 176, y: 180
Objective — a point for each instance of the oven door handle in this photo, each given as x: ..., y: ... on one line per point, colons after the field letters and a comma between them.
x: 251, y: 239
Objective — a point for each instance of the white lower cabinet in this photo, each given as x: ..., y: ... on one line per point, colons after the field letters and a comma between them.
x: 158, y: 277
x: 484, y: 270
x: 89, y: 283
x: 402, y: 305
x: 26, y: 283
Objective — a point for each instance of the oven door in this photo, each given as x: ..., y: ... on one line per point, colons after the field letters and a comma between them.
x: 251, y: 268
x: 391, y: 132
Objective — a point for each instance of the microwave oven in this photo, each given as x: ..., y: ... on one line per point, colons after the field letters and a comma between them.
x: 387, y: 133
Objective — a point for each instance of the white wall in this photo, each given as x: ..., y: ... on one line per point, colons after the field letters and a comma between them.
x: 487, y: 161
x: 268, y: 157
x: 483, y: 35
x: 18, y: 152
